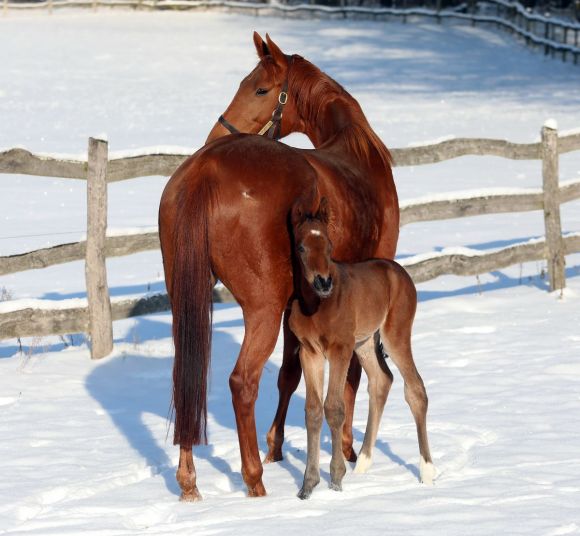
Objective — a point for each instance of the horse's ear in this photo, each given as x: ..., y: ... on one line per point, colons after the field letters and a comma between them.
x: 261, y: 47
x: 277, y: 55
x: 322, y: 213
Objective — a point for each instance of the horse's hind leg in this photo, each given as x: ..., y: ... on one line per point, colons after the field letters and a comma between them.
x: 186, y: 476
x: 288, y: 380
x: 313, y: 366
x: 396, y: 334
x: 380, y: 380
x: 334, y: 410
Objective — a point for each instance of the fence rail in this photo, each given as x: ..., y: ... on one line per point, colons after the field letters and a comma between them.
x: 95, y: 315
x: 552, y: 35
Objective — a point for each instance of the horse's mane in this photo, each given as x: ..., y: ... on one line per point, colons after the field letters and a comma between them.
x: 312, y: 91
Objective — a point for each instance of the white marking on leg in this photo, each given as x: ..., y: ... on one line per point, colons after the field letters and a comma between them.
x: 427, y: 472
x: 363, y: 463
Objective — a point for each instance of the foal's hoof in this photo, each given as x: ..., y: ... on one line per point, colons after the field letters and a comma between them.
x: 274, y: 455
x: 257, y: 491
x: 349, y: 454
x: 363, y: 464
x: 191, y: 496
x: 335, y: 486
x: 304, y: 494
x: 426, y: 471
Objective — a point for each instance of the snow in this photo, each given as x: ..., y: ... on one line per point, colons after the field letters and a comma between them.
x: 86, y: 446
x: 551, y: 124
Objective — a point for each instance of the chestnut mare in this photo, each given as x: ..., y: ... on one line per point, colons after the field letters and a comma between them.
x: 224, y: 214
x: 354, y: 303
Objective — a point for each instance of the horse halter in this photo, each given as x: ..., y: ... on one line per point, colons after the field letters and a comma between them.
x: 274, y: 126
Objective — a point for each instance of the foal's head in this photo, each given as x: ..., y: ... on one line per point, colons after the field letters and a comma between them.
x: 313, y: 247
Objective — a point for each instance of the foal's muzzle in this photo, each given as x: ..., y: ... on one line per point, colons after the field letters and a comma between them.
x: 323, y: 286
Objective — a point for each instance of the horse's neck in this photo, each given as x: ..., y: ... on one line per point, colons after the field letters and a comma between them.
x: 341, y: 128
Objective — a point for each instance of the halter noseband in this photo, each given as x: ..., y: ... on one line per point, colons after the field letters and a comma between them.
x: 274, y: 126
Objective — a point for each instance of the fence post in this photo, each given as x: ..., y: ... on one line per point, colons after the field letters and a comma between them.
x: 100, y: 322
x: 554, y: 242
x: 5, y: 7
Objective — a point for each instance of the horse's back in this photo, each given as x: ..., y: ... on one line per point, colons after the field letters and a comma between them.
x: 253, y: 183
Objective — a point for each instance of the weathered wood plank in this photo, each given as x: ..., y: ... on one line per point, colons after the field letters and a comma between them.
x: 23, y: 162
x: 460, y: 264
x: 446, y: 150
x: 100, y: 322
x: 120, y: 169
x: 554, y: 243
x: 33, y: 322
x: 470, y: 206
x: 115, y: 246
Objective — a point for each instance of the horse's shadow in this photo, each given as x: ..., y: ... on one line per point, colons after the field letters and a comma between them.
x: 132, y: 386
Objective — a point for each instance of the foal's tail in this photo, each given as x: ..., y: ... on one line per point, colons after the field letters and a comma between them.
x: 191, y: 304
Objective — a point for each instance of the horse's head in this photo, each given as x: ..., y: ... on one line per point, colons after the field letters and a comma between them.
x: 262, y: 99
x: 313, y: 247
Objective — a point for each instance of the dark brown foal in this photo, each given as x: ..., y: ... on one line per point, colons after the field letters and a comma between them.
x: 340, y: 307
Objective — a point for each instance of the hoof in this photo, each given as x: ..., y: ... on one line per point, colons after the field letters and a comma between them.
x: 349, y: 454
x: 191, y: 496
x: 257, y: 491
x: 427, y: 472
x: 304, y: 494
x: 274, y: 456
x: 335, y: 486
x: 363, y: 464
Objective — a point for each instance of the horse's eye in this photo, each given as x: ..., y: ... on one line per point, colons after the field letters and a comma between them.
x: 261, y: 91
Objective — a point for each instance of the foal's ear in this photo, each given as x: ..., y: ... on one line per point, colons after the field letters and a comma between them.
x: 322, y: 213
x: 297, y: 216
x: 261, y: 46
x: 277, y: 55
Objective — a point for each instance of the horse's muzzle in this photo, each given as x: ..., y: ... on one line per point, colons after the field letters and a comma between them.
x: 323, y: 286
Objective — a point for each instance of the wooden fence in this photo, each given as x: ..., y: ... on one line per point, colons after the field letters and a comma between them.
x: 553, y: 35
x: 95, y: 318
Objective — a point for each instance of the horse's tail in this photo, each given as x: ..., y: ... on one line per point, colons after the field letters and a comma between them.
x: 191, y: 304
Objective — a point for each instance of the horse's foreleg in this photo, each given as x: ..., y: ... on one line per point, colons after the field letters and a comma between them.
x: 334, y: 411
x: 350, y: 389
x: 288, y: 380
x: 186, y: 476
x: 313, y: 366
x: 262, y: 328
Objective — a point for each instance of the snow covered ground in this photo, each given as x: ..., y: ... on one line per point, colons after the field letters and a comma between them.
x: 86, y: 447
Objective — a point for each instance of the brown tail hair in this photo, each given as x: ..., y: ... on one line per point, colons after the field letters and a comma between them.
x: 192, y: 307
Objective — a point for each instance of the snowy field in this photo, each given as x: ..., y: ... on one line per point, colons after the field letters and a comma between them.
x: 85, y: 448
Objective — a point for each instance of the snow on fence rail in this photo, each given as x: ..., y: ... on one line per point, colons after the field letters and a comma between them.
x: 553, y: 35
x: 20, y: 318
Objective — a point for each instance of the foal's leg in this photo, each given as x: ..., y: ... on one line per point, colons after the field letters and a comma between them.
x: 396, y: 333
x: 380, y: 380
x: 334, y: 410
x: 313, y: 366
x: 262, y: 327
x: 350, y: 389
x: 288, y: 380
